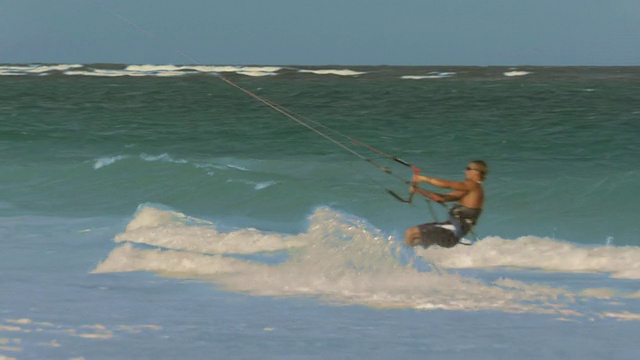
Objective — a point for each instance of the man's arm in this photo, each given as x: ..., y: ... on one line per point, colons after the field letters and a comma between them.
x: 446, y: 184
x: 452, y: 196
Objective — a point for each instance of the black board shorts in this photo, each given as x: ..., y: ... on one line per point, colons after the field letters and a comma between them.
x: 436, y: 234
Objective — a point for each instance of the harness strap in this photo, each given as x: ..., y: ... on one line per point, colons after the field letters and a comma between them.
x: 459, y: 230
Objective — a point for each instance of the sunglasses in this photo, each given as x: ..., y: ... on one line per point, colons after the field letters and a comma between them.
x: 470, y: 168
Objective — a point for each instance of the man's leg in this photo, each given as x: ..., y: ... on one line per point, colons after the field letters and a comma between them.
x: 431, y: 234
x: 412, y: 236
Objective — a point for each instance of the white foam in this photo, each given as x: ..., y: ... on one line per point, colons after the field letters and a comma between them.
x: 162, y: 157
x: 256, y: 185
x: 172, y: 70
x: 174, y: 230
x: 109, y: 160
x: 135, y: 70
x: 539, y: 253
x: 339, y: 258
x: 10, y: 328
x: 237, y: 167
x: 264, y: 185
x: 125, y: 72
x: 430, y: 76
x: 151, y: 217
x: 98, y: 73
x: 201, y: 68
x: 106, y: 161
x: 47, y: 68
x: 516, y: 73
x: 152, y: 68
x: 35, y: 69
x: 626, y: 316
x: 343, y: 72
x: 256, y: 73
x: 127, y: 258
x: 49, y: 335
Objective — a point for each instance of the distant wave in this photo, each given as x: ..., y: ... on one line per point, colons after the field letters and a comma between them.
x: 109, y: 160
x: 106, y: 161
x: 256, y: 185
x: 162, y: 157
x: 516, y: 73
x: 343, y: 259
x: 434, y: 75
x: 108, y: 70
x: 343, y: 72
x: 400, y: 72
x: 35, y: 69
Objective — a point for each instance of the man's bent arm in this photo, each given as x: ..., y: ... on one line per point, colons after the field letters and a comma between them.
x: 445, y: 184
x: 452, y: 196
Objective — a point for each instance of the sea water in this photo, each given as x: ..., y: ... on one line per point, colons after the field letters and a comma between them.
x: 164, y: 212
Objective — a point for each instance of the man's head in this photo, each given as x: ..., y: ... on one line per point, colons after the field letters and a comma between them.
x: 480, y: 167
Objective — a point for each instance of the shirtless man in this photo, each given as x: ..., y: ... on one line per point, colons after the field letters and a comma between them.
x: 462, y: 217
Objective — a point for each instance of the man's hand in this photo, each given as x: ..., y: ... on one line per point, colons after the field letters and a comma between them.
x: 431, y: 195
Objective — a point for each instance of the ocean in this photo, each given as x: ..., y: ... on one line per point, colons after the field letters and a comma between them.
x: 167, y: 212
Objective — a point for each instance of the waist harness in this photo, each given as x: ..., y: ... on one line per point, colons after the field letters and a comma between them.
x: 463, y: 219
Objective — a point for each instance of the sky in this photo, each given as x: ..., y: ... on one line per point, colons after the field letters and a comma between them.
x: 322, y: 32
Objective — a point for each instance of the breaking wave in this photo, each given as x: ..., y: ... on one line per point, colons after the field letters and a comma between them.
x: 342, y: 259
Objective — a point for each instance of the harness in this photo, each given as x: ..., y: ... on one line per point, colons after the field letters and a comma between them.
x: 463, y: 219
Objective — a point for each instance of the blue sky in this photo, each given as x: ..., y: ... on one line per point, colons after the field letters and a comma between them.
x: 322, y: 32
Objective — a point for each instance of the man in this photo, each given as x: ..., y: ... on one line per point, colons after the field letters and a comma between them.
x: 462, y: 217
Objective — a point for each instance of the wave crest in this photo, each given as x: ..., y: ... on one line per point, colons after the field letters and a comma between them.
x: 539, y: 253
x: 342, y: 259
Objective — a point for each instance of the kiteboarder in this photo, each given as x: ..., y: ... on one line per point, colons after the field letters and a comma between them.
x: 462, y: 217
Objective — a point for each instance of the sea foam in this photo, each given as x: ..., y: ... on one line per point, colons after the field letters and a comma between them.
x: 341, y: 258
x: 539, y: 253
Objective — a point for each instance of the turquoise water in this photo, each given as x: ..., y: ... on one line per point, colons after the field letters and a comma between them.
x: 562, y: 150
x: 153, y: 187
